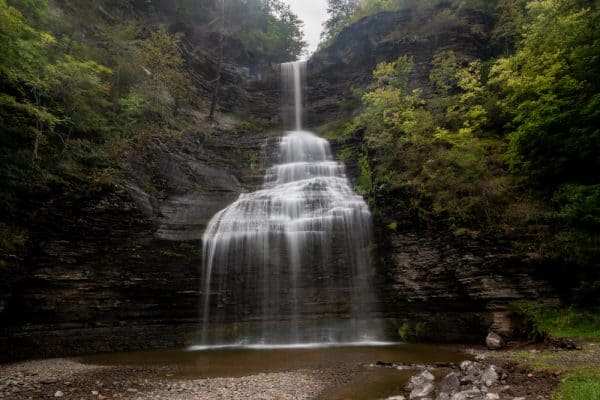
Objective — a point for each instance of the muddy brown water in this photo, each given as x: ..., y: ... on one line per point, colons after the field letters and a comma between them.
x: 367, y: 381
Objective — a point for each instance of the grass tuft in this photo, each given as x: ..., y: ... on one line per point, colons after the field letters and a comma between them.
x: 580, y: 386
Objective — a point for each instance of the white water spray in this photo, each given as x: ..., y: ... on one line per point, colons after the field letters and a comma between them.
x: 291, y: 259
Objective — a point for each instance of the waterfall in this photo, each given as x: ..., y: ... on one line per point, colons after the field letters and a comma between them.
x: 290, y: 261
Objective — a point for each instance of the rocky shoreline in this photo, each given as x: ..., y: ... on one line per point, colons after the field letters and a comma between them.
x: 488, y: 375
x: 474, y: 380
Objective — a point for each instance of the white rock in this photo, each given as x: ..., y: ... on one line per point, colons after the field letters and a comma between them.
x: 494, y: 341
x: 492, y: 396
x: 466, y: 365
x: 490, y: 376
x: 428, y: 376
x: 59, y: 394
x: 466, y: 395
x: 421, y: 392
x: 396, y: 398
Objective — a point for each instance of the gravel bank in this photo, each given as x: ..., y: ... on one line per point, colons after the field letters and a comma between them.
x: 70, y: 379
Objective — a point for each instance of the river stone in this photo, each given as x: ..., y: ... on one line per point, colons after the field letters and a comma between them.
x: 428, y: 376
x: 420, y: 380
x: 471, y: 368
x: 59, y: 394
x: 450, y: 383
x: 421, y: 392
x: 492, y: 396
x: 396, y: 398
x: 443, y: 396
x: 494, y: 341
x: 48, y: 381
x: 468, y: 380
x: 467, y: 395
x: 490, y: 376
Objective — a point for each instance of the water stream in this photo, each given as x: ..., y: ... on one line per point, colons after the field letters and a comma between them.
x: 291, y: 259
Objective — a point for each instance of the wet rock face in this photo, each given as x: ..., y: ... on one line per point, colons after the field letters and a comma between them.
x: 456, y: 290
x: 116, y: 268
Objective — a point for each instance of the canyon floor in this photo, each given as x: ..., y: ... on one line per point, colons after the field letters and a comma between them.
x: 525, y: 372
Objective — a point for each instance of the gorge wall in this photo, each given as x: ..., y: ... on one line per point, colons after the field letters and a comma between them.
x: 439, y: 286
x: 116, y: 268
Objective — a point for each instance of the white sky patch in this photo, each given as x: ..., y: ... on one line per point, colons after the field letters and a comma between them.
x: 313, y: 13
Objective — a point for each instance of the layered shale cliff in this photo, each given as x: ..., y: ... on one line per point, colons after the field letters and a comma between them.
x: 117, y: 267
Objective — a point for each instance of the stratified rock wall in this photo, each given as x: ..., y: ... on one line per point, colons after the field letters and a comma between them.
x: 441, y: 287
x: 117, y: 268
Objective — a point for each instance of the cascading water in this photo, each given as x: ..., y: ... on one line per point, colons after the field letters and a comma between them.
x: 291, y: 261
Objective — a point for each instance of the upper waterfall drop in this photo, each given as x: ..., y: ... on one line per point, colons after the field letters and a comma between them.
x: 293, y: 75
x: 291, y: 260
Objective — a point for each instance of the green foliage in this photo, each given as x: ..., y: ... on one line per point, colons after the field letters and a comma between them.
x: 580, y: 385
x: 540, y: 322
x: 499, y: 143
x: 552, y: 93
x: 364, y: 185
x: 268, y: 28
x: 404, y: 331
x: 432, y: 150
x: 411, y: 330
x: 578, y: 207
x: 340, y: 12
x: 343, y: 13
x: 443, y: 75
x: 395, y: 73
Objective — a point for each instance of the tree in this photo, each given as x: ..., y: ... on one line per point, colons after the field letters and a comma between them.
x: 551, y: 90
x: 551, y: 93
x: 340, y: 12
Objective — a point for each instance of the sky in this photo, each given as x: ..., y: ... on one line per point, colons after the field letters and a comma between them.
x: 313, y: 13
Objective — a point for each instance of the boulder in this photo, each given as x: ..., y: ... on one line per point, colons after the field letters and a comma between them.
x: 420, y: 380
x: 489, y: 376
x: 471, y: 368
x: 494, y: 341
x: 450, y: 384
